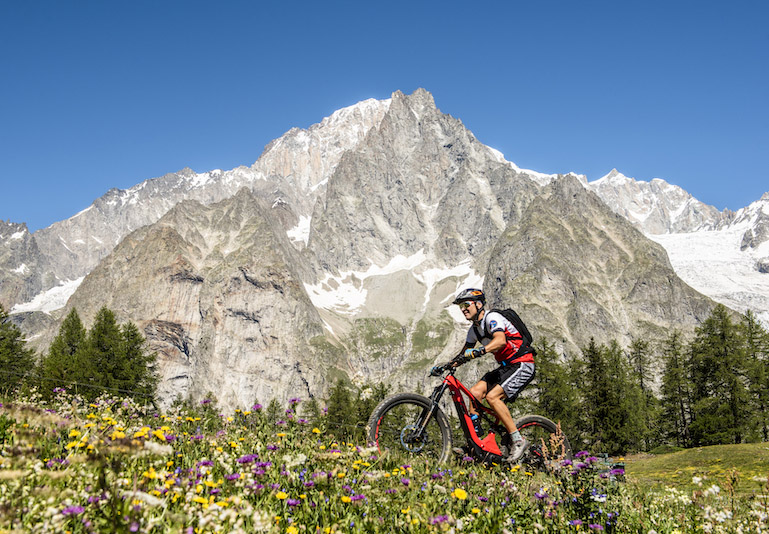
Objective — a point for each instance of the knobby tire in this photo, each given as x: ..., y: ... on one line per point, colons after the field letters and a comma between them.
x: 547, y: 447
x: 393, y: 420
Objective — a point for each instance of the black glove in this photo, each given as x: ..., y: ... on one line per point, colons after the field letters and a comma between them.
x: 436, y: 371
x: 459, y: 360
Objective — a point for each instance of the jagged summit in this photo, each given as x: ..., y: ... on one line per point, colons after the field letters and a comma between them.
x: 353, y: 235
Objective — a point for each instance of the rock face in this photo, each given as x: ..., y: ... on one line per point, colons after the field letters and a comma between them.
x: 338, y: 253
x: 577, y: 271
x: 657, y: 207
x: 218, y: 295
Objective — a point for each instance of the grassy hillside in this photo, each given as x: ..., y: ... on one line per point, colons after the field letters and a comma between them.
x: 744, y: 467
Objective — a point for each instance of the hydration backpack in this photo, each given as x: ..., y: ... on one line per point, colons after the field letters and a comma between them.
x: 519, y: 325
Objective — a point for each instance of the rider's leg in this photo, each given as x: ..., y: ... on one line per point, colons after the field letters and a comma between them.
x: 496, y: 399
x: 479, y: 392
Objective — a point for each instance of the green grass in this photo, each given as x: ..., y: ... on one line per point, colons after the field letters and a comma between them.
x: 715, y: 465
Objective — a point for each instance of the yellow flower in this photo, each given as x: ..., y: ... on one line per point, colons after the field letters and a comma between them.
x: 200, y: 500
x: 459, y: 493
x: 415, y: 521
x: 292, y: 530
x: 282, y: 495
x: 74, y: 433
x: 159, y: 434
x: 316, y: 430
x: 405, y: 510
x: 476, y: 510
x: 346, y: 499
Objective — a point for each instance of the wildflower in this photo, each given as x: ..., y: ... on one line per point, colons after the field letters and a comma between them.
x: 346, y: 499
x: 282, y: 495
x: 233, y: 476
x: 595, y: 526
x: 459, y: 493
x: 292, y: 530
x: 405, y: 481
x: 439, y: 519
x: 72, y: 510
x: 316, y: 430
x: 293, y: 502
x: 476, y: 511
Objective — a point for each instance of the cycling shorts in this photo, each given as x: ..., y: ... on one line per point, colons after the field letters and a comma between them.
x: 513, y: 378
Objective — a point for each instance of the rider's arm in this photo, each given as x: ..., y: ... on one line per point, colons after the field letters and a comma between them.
x: 498, y: 341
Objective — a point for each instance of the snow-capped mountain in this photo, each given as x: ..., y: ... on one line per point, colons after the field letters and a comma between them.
x: 339, y: 250
x: 656, y: 207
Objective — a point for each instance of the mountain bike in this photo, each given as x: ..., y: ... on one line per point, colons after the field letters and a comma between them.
x: 416, y: 425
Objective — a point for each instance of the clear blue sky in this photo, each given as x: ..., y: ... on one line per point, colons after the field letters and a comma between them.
x: 102, y: 94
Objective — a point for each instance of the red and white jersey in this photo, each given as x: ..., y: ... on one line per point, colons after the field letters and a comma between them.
x: 496, y: 322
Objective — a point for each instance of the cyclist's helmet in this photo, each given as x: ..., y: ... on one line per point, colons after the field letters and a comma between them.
x: 470, y: 294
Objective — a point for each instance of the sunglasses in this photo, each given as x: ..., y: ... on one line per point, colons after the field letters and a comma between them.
x: 464, y: 305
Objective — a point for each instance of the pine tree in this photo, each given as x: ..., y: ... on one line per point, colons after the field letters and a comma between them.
x: 611, y: 400
x: 556, y: 397
x: 675, y: 392
x: 639, y: 357
x: 59, y: 367
x: 112, y: 359
x: 756, y: 345
x: 718, y: 375
x: 138, y: 366
x: 340, y: 412
x: 595, y: 394
x: 16, y: 360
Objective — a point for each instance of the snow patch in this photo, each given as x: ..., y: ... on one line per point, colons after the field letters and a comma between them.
x: 16, y: 235
x: 345, y: 293
x: 21, y: 269
x: 50, y: 300
x: 712, y: 263
x: 301, y: 232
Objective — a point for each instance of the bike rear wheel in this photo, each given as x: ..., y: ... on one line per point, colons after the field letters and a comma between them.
x: 393, y: 427
x: 548, y: 446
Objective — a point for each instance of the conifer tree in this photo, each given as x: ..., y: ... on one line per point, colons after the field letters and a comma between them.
x: 639, y: 358
x: 340, y: 409
x: 16, y: 360
x: 675, y: 392
x: 718, y: 379
x: 138, y: 372
x: 756, y: 344
x: 556, y: 396
x: 59, y: 367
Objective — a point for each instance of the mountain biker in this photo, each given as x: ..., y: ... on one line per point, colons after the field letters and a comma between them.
x: 516, y: 365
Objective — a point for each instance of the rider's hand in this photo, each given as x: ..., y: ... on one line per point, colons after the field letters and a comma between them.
x: 436, y: 371
x: 473, y: 353
x: 459, y: 360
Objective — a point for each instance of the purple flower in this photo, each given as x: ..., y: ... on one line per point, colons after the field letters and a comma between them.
x: 566, y: 462
x: 618, y: 471
x: 357, y: 498
x: 540, y: 496
x: 294, y: 401
x: 205, y: 401
x: 405, y: 481
x: 272, y: 447
x: 205, y: 462
x: 233, y: 476
x: 595, y: 526
x: 439, y: 519
x: 293, y: 502
x: 73, y: 510
x: 575, y: 522
x: 256, y: 407
x: 248, y: 458
x: 581, y: 454
x: 134, y: 527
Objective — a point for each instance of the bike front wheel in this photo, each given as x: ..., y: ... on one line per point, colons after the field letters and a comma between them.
x: 395, y: 426
x: 548, y: 445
